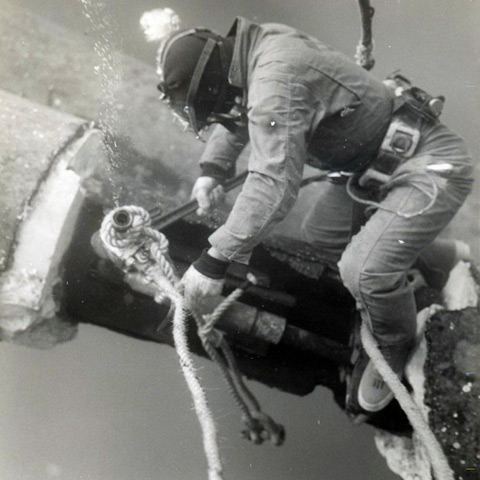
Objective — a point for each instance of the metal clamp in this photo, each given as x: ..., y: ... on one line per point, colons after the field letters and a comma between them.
x: 401, y: 139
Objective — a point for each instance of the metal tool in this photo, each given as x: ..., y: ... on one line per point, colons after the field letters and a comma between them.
x: 160, y: 221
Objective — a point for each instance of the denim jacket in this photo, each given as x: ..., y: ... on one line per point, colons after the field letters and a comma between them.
x: 305, y: 103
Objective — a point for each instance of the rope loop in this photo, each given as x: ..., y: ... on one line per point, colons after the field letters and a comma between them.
x: 420, y: 181
x: 210, y: 334
x: 131, y: 242
x: 128, y: 234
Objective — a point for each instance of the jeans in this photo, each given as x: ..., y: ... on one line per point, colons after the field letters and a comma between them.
x: 374, y: 262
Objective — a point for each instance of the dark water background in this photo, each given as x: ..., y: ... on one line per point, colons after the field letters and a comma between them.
x: 108, y: 407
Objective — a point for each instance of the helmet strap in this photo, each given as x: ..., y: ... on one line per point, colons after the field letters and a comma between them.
x: 197, y: 77
x: 195, y: 82
x: 199, y: 71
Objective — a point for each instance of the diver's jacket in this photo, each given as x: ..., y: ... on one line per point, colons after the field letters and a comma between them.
x: 305, y: 103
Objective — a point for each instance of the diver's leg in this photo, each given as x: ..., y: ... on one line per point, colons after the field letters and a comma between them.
x: 375, y: 264
x: 327, y: 226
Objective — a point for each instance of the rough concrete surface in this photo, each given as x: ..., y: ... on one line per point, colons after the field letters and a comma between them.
x: 40, y: 196
x: 30, y: 136
x: 453, y: 388
x: 443, y: 375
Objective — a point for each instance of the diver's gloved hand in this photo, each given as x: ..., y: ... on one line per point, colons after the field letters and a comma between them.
x: 205, y: 278
x: 209, y: 194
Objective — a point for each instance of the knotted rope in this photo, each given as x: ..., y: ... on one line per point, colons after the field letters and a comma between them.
x: 133, y: 246
x: 129, y: 240
x: 259, y: 426
x: 438, y: 459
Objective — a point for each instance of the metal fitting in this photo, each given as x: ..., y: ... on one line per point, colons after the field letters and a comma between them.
x: 122, y: 220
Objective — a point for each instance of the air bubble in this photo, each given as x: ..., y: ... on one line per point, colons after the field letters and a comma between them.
x: 467, y: 388
x: 110, y: 73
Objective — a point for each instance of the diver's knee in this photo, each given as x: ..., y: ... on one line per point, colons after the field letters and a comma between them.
x: 350, y: 272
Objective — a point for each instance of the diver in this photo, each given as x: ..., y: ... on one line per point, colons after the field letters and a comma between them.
x: 397, y: 174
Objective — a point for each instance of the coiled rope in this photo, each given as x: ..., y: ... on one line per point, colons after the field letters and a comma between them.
x: 438, y: 460
x: 134, y: 248
x: 133, y: 245
x: 412, y: 178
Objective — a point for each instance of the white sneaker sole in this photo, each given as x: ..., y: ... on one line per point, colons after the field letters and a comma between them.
x: 374, y: 407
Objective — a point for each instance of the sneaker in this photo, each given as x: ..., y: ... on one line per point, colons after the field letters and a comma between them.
x: 373, y: 393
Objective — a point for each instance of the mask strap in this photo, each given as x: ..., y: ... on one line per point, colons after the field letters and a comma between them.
x: 177, y: 36
x: 194, y: 84
x: 199, y: 71
x: 222, y: 94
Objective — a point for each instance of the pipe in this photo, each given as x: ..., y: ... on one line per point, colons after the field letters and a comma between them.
x: 122, y: 220
x: 311, y: 343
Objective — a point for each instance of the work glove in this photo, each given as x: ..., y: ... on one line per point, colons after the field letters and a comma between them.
x: 203, y: 279
x: 209, y: 194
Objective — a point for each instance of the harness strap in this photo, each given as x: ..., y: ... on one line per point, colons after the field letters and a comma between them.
x: 195, y: 82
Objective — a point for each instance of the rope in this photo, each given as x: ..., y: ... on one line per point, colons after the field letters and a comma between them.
x: 229, y: 368
x: 133, y: 245
x: 136, y: 247
x: 227, y: 352
x: 364, y: 51
x: 437, y: 458
x: 139, y: 239
x: 259, y: 425
x: 212, y: 319
x: 204, y: 415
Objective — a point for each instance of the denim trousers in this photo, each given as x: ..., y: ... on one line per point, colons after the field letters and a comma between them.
x: 421, y: 198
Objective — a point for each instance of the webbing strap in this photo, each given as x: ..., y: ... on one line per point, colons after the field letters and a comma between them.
x: 194, y: 84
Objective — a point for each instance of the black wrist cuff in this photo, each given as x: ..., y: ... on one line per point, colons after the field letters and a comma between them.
x: 210, y: 266
x: 216, y: 172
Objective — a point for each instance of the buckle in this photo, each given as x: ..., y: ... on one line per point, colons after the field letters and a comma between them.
x: 339, y: 178
x: 401, y: 139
